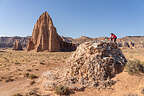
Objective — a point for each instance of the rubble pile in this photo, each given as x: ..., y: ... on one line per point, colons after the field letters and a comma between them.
x: 93, y: 64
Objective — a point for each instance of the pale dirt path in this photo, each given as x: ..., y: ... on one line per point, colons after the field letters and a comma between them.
x: 11, y: 88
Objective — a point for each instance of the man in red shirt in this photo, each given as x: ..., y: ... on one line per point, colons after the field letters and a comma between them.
x: 113, y: 37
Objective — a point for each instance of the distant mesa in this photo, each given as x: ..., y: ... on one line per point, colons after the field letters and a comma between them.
x: 17, y: 45
x: 45, y: 37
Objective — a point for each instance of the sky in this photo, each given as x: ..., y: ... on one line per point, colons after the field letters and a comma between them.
x: 74, y: 18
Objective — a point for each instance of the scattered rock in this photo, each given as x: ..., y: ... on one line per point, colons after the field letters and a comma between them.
x: 29, y: 70
x: 32, y: 82
x: 9, y: 79
x: 142, y: 91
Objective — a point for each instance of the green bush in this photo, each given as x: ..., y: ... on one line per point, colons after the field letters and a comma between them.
x: 62, y: 90
x: 134, y: 67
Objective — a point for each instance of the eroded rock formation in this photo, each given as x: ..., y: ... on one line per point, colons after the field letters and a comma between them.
x: 17, y: 45
x: 45, y: 36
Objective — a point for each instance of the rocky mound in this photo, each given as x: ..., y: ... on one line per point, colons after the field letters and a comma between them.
x: 92, y: 64
x: 17, y: 45
x: 95, y: 62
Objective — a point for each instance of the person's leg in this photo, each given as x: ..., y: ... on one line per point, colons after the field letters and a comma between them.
x: 115, y: 39
x: 111, y: 39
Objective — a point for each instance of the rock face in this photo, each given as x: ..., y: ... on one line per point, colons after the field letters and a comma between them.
x: 17, y: 45
x: 65, y: 46
x: 7, y: 42
x: 44, y: 36
x: 92, y: 64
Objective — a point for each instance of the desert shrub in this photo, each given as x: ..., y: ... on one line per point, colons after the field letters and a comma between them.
x: 62, y: 90
x: 134, y: 67
x: 31, y: 76
x: 17, y: 63
x: 33, y: 93
x: 130, y: 94
x: 17, y: 94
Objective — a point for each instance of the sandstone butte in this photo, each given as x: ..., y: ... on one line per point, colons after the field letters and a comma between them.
x: 17, y: 45
x: 45, y: 37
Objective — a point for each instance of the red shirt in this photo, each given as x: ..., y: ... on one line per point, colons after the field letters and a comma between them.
x: 113, y: 36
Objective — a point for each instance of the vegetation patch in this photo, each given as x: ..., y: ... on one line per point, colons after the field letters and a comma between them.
x: 17, y: 94
x: 62, y: 90
x: 31, y: 76
x: 134, y: 67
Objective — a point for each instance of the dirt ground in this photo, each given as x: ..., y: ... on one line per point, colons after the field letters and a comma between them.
x: 20, y: 70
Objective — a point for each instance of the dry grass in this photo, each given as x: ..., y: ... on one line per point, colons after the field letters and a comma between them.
x: 134, y: 67
x: 134, y: 54
x: 16, y: 64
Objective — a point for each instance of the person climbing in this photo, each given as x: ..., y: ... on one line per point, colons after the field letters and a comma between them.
x: 113, y: 37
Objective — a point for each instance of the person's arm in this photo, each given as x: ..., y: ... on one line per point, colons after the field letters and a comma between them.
x: 110, y: 37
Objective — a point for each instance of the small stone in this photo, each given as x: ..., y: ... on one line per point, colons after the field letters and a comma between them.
x: 142, y: 91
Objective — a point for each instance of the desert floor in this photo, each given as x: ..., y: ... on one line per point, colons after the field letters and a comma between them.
x: 19, y: 70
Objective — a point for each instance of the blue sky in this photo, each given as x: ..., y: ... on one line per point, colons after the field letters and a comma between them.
x: 74, y: 18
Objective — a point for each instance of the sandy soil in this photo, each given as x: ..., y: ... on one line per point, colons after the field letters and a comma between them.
x: 15, y: 65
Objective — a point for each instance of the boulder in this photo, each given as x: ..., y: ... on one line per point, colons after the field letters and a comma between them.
x: 17, y: 45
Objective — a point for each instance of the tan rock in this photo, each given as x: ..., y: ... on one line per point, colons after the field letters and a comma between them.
x: 44, y: 36
x: 17, y: 45
x: 30, y: 45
